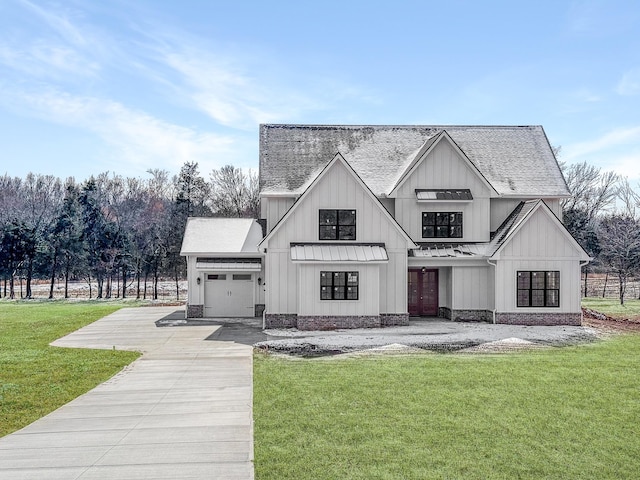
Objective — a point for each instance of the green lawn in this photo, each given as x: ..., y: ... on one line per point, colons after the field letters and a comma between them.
x: 35, y: 378
x: 567, y: 413
x: 612, y: 307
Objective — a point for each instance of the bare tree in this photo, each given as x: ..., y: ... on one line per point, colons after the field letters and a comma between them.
x: 592, y: 193
x: 621, y: 235
x: 234, y: 193
x: 592, y: 190
x: 41, y: 199
x: 629, y: 199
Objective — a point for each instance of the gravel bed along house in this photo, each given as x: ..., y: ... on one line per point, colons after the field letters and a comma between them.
x: 426, y: 335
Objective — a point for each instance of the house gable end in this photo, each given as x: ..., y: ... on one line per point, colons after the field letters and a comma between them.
x: 539, y: 234
x: 441, y: 173
x: 337, y: 186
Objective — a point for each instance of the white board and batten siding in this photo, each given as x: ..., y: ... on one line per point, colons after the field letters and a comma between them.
x: 472, y: 288
x: 336, y: 189
x: 540, y: 245
x: 444, y: 287
x: 273, y: 208
x: 501, y: 208
x: 443, y: 168
x: 281, y: 282
x: 368, y: 291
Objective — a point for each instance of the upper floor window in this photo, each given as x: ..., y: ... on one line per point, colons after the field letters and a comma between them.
x: 338, y: 285
x: 538, y: 289
x: 441, y: 224
x: 337, y: 225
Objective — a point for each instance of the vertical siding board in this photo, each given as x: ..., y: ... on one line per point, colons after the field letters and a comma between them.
x: 309, y: 291
x: 337, y: 189
x: 540, y: 238
x: 569, y: 288
x: 444, y: 168
x: 470, y: 288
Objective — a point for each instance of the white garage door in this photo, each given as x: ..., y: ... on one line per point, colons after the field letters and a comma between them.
x: 229, y: 295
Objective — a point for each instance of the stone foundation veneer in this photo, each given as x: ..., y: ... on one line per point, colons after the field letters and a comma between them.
x: 472, y: 316
x: 195, y: 311
x: 332, y: 322
x: 517, y: 318
x: 394, y: 319
x: 280, y: 320
x: 466, y: 315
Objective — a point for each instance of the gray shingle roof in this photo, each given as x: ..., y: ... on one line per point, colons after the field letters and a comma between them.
x: 516, y: 160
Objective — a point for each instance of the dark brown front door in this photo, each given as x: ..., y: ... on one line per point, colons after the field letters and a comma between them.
x: 423, y: 292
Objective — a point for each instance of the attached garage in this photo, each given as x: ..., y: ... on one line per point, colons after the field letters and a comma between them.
x: 225, y: 271
x: 229, y: 294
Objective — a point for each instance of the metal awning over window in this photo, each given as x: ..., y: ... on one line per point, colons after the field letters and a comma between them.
x: 447, y: 195
x: 335, y: 253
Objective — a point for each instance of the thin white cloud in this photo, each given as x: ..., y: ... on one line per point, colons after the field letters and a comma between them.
x: 629, y: 83
x: 41, y: 59
x: 627, y: 165
x: 586, y: 95
x: 137, y: 139
x: 615, y: 138
x: 225, y: 92
x: 599, y: 18
x: 59, y: 22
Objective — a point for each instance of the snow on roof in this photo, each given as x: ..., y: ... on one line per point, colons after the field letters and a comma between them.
x: 515, y: 160
x: 221, y: 235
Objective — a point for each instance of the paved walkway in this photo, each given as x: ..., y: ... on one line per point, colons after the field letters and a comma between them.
x: 181, y: 411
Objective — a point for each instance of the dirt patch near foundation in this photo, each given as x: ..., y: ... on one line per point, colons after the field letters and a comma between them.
x: 606, y: 324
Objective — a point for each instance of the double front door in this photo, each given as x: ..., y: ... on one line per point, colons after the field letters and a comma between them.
x: 423, y: 292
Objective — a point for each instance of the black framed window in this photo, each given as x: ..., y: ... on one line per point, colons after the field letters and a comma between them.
x: 338, y: 285
x: 538, y: 288
x: 441, y: 224
x: 337, y: 225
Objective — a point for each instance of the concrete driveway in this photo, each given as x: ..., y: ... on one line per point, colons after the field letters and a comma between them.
x: 181, y: 411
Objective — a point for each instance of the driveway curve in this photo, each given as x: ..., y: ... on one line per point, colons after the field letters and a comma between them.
x: 181, y: 411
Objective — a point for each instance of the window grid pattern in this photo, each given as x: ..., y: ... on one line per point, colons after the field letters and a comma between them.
x: 441, y: 224
x: 338, y: 285
x: 337, y: 225
x: 538, y: 288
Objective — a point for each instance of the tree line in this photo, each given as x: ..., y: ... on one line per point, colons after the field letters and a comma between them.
x: 603, y: 215
x: 109, y: 229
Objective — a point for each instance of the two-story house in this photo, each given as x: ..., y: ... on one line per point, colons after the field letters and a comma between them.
x: 367, y: 225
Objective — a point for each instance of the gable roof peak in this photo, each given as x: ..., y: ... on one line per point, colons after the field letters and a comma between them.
x: 519, y: 216
x: 422, y: 152
x: 337, y: 158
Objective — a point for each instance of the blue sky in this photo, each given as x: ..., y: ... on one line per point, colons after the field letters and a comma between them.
x: 88, y: 86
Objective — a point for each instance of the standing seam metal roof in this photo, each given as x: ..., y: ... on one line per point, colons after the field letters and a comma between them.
x: 338, y: 253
